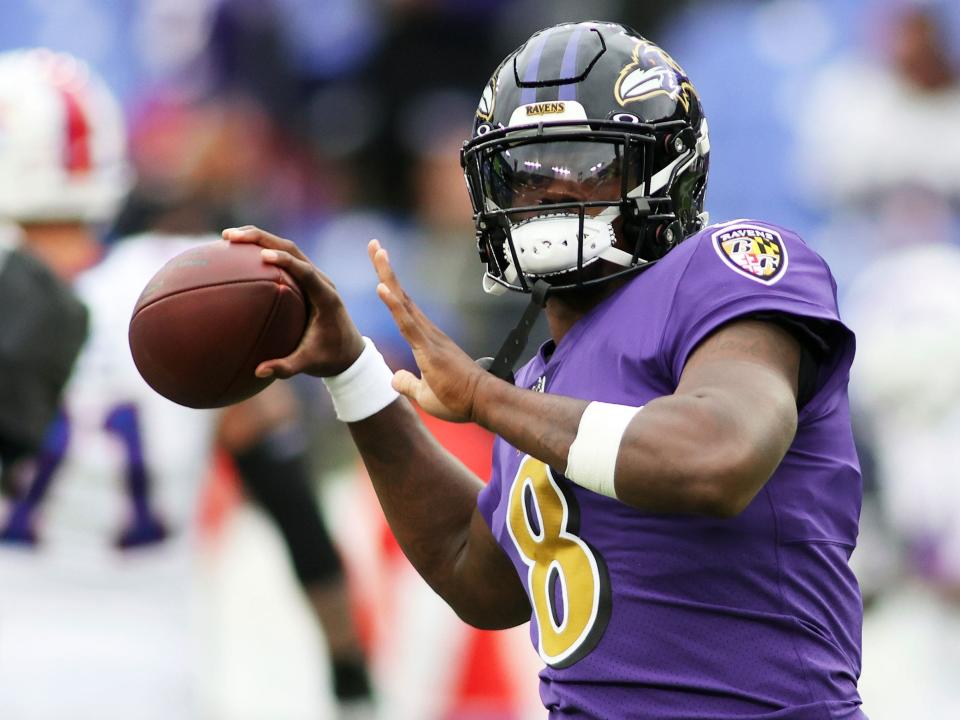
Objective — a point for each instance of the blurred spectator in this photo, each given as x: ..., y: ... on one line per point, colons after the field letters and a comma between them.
x: 887, y: 129
x: 905, y: 308
x: 201, y: 166
x: 442, y: 217
x: 879, y: 156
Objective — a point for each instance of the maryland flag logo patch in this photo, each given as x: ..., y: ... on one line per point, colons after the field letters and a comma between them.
x: 752, y: 251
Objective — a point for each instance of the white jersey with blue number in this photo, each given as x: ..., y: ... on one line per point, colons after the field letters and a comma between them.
x: 122, y: 466
x: 96, y: 551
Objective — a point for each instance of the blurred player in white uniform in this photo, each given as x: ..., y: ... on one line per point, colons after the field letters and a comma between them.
x: 95, y: 604
x: 905, y: 309
x: 97, y: 613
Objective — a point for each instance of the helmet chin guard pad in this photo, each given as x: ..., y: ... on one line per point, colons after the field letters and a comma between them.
x: 551, y: 244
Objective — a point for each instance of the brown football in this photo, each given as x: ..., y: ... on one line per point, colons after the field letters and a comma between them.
x: 208, y: 318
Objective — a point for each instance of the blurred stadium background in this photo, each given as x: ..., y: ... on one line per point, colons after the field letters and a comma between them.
x: 333, y: 121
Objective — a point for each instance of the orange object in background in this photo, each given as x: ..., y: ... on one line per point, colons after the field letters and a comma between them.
x: 221, y: 494
x: 483, y: 689
x: 486, y: 676
x: 473, y: 674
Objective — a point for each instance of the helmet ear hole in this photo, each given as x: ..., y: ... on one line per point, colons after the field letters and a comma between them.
x: 676, y: 144
x: 669, y: 235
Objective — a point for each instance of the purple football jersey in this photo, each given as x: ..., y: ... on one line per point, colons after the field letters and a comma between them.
x: 649, y: 615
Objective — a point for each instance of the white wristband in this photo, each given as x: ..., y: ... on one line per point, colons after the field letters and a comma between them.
x: 364, y: 388
x: 592, y: 457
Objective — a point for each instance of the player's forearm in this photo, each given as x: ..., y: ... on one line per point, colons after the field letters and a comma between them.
x: 426, y: 494
x: 682, y: 453
x: 539, y: 424
x: 428, y: 498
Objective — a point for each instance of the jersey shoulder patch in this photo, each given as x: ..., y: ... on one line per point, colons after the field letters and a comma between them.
x: 753, y: 250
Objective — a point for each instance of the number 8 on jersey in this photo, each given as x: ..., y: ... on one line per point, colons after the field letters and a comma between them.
x: 567, y: 580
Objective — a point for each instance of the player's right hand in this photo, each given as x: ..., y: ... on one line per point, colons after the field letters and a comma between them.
x: 450, y: 381
x: 331, y: 342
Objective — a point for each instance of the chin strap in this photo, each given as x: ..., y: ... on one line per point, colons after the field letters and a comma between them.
x: 502, y: 365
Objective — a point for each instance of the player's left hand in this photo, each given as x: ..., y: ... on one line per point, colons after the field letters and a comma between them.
x: 449, y: 379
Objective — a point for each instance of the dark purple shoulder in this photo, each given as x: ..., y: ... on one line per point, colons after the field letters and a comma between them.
x: 746, y: 268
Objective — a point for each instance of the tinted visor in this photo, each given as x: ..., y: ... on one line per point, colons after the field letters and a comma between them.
x: 559, y: 171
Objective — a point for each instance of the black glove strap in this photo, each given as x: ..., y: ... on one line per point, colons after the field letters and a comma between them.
x: 502, y: 365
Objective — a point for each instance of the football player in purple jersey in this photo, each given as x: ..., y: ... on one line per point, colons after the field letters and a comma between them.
x: 675, y: 492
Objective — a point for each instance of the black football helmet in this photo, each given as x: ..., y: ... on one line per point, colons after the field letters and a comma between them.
x: 589, y: 145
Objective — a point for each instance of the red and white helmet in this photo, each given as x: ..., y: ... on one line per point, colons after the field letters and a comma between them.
x: 63, y: 154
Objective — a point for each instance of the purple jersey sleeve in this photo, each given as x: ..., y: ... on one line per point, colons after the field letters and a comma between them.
x: 747, y: 268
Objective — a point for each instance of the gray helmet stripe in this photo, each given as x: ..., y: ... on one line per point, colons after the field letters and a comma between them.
x: 532, y: 70
x: 568, y: 66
